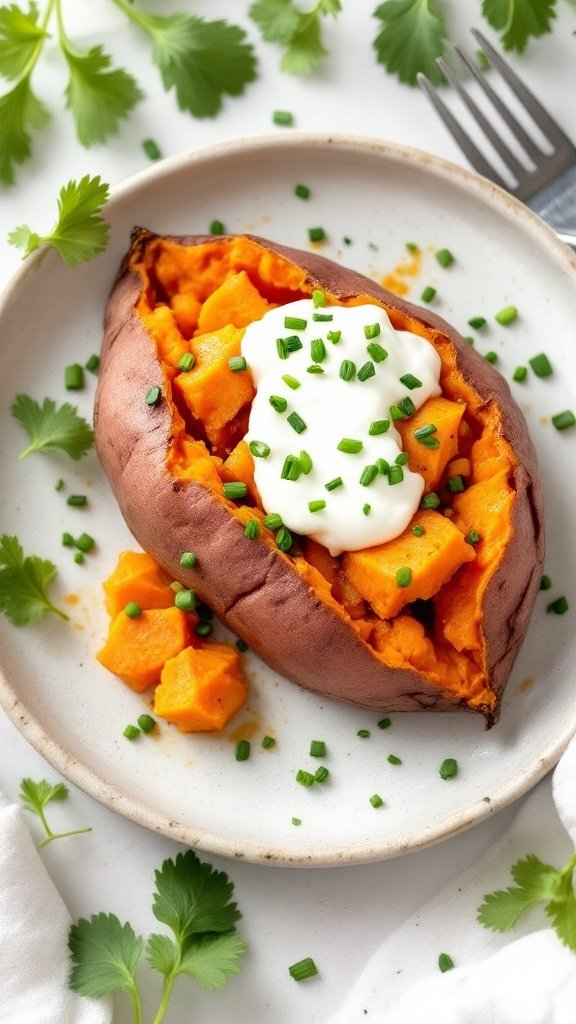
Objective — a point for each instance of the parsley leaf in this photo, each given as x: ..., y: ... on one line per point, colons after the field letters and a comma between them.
x: 34, y: 797
x: 49, y: 427
x: 98, y: 98
x: 411, y: 39
x: 23, y: 584
x: 80, y: 232
x: 20, y: 111
x: 192, y: 897
x: 105, y: 954
x: 280, y: 21
x: 518, y: 20
x: 19, y: 35
x: 536, y: 883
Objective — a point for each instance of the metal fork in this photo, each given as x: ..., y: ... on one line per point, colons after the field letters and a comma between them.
x: 549, y: 188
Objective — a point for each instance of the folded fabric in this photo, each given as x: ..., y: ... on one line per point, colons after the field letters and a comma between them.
x: 34, y: 923
x: 529, y: 980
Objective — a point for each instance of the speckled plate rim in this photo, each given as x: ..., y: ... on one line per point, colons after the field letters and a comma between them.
x: 138, y: 811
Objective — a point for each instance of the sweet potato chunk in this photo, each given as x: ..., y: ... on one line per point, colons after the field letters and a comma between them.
x: 432, y: 558
x: 201, y: 689
x: 137, y: 649
x: 431, y: 462
x: 212, y: 391
x: 240, y: 466
x: 236, y: 302
x: 137, y: 577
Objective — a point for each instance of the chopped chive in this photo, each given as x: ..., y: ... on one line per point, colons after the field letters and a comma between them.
x: 304, y: 778
x: 188, y: 559
x: 318, y: 297
x: 364, y: 734
x: 491, y: 357
x: 445, y: 962
x: 412, y: 247
x: 297, y: 423
x: 376, y: 800
x: 217, y: 227
x: 146, y: 722
x: 430, y: 500
x: 295, y: 323
x: 77, y: 500
x: 376, y: 351
x: 347, y: 370
x: 334, y: 336
x: 410, y: 381
x: 278, y: 403
x: 558, y: 607
x: 477, y: 322
x: 418, y: 531
x: 79, y: 558
x: 428, y: 294
x: 382, y: 466
x: 333, y: 484
x: 131, y: 732
x: 449, y: 768
x: 187, y: 361
x: 237, y: 363
x: 402, y: 459
x: 302, y: 191
x: 74, y: 377
x: 378, y: 427
x: 292, y: 343
x: 203, y: 629
x: 151, y: 149
x: 371, y: 331
x: 392, y: 759
x: 291, y: 469
x: 281, y: 348
x: 444, y: 257
x: 296, y: 821
x: 305, y: 462
x: 67, y: 540
x: 284, y: 539
x: 366, y: 509
x: 242, y: 646
x: 152, y: 396
x: 268, y: 742
x: 366, y: 371
x: 541, y: 365
x: 259, y: 449
x: 545, y: 583
x: 235, y: 489
x: 317, y: 748
x: 316, y: 506
x: 456, y: 484
x: 395, y: 475
x: 368, y: 475
x: 346, y: 240
x: 321, y: 773
x: 185, y: 600
x: 424, y: 431
x: 59, y: 485
x: 133, y: 610
x: 303, y: 969
x: 242, y: 750
x: 314, y: 368
x: 316, y: 234
x: 273, y: 521
x: 283, y: 117
x: 85, y: 542
x: 350, y: 446
x: 252, y: 529
x: 403, y: 577
x: 520, y: 374
x: 323, y: 318
x: 473, y: 537
x: 291, y: 381
x: 318, y: 350
x: 563, y: 420
x: 403, y: 410
x: 506, y: 316
x: 384, y: 723
x: 92, y: 364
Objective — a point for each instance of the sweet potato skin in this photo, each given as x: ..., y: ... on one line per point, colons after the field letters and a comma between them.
x: 253, y: 587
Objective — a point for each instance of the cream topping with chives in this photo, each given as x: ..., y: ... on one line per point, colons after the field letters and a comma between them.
x: 336, y: 425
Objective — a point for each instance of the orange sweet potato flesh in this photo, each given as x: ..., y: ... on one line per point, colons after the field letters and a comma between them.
x: 137, y: 649
x: 336, y: 626
x: 137, y: 577
x: 201, y: 688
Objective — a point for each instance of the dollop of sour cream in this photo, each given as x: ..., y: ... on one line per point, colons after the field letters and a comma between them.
x: 321, y: 485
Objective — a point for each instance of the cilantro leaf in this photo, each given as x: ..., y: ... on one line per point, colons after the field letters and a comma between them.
x: 192, y: 897
x: 502, y: 909
x: 80, y: 232
x: 23, y: 584
x: 19, y: 35
x: 98, y: 98
x: 20, y: 111
x: 280, y: 21
x: 412, y: 37
x: 562, y: 913
x: 518, y: 20
x: 34, y: 796
x: 162, y: 954
x: 105, y: 954
x: 305, y: 50
x: 50, y: 428
x: 211, y: 959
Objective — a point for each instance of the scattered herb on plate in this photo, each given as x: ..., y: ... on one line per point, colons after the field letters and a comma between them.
x: 299, y: 33
x: 35, y: 796
x: 50, y: 427
x: 24, y: 581
x: 80, y: 232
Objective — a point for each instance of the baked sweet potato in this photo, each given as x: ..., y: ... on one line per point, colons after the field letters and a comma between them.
x: 335, y: 625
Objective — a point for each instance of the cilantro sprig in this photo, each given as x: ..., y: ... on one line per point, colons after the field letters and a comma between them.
x: 195, y: 902
x: 413, y: 35
x: 80, y: 231
x: 536, y: 882
x: 298, y: 33
x: 35, y: 796
x: 50, y: 427
x: 24, y: 581
x: 519, y: 22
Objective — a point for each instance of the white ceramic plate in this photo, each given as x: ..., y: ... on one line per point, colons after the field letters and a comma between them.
x: 190, y: 787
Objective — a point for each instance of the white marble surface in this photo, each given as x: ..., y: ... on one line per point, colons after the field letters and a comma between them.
x: 338, y: 916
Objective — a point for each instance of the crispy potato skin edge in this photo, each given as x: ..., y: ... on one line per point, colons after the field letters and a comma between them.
x: 252, y: 587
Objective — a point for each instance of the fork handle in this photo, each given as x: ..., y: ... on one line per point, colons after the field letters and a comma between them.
x: 556, y: 204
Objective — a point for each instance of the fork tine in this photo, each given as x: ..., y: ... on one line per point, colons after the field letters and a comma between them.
x: 514, y: 125
x: 499, y: 145
x: 470, y: 150
x: 547, y: 125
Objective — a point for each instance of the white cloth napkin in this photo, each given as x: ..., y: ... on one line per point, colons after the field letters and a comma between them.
x: 529, y: 980
x: 34, y: 923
